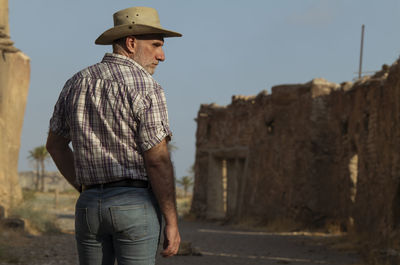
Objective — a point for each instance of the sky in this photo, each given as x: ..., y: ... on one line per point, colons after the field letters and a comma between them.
x: 229, y: 47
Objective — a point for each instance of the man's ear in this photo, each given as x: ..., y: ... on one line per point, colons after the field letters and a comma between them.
x: 130, y: 43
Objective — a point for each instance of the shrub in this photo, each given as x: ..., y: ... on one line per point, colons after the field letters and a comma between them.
x: 28, y: 195
x: 38, y: 219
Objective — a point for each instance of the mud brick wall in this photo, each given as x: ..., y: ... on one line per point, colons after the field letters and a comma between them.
x: 315, y: 153
x: 370, y: 112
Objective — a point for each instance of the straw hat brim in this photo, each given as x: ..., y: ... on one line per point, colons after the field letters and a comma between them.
x: 121, y: 31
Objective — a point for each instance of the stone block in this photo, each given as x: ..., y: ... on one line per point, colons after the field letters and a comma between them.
x: 14, y: 223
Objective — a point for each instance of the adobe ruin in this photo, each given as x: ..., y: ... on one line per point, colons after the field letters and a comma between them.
x: 14, y: 83
x: 314, y: 153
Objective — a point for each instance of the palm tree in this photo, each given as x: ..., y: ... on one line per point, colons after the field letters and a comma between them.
x: 39, y: 155
x: 186, y: 182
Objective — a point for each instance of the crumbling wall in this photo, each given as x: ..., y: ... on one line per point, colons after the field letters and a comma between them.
x: 373, y: 135
x: 14, y: 82
x: 314, y: 153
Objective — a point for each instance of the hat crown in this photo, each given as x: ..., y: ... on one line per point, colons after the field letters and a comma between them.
x: 134, y: 21
x: 137, y: 15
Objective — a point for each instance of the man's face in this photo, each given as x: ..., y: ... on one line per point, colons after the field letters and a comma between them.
x: 149, y: 52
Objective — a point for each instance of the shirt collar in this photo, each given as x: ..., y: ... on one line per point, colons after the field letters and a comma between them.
x: 121, y: 59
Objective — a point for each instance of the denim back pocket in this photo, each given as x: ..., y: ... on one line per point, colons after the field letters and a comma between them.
x: 129, y: 221
x: 81, y: 221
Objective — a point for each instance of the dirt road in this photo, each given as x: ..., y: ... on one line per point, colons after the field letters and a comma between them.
x: 219, y: 245
x: 222, y: 245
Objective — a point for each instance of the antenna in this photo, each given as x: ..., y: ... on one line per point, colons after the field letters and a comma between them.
x: 361, y: 51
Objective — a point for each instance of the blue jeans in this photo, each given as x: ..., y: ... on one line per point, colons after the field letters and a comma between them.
x: 120, y: 223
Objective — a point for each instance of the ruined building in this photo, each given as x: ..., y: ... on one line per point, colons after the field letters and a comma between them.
x: 314, y: 153
x: 14, y: 83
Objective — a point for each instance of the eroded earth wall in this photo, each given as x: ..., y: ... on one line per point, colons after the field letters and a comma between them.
x: 315, y: 153
x: 14, y: 83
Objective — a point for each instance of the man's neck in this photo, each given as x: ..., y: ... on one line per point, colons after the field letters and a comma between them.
x: 122, y: 52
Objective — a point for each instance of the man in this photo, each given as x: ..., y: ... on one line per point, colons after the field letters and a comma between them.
x: 115, y: 115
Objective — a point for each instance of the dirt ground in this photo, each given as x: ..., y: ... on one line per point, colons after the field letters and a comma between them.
x: 218, y: 245
x: 225, y: 245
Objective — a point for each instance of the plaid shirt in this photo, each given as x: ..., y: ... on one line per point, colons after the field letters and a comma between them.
x: 112, y: 112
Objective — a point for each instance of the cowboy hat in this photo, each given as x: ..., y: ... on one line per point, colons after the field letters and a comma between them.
x: 134, y: 21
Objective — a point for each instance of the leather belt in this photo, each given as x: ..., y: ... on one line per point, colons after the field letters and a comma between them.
x: 136, y: 183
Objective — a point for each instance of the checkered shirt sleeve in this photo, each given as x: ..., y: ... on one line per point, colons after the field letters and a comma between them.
x: 58, y: 124
x: 153, y: 120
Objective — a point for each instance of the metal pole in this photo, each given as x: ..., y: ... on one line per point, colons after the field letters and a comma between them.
x: 361, y: 51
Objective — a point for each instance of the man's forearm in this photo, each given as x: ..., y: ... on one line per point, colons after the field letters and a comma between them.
x: 162, y: 181
x: 63, y: 157
x: 64, y: 160
x: 161, y: 175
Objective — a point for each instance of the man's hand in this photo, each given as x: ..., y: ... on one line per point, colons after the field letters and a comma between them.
x: 172, y: 241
